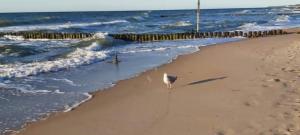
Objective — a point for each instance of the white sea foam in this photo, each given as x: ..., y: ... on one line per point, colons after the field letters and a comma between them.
x: 3, y: 99
x: 282, y: 18
x: 243, y: 12
x: 10, y: 37
x: 65, y: 81
x: 70, y: 108
x: 144, y: 50
x: 100, y: 35
x: 187, y: 46
x: 58, y: 92
x: 57, y: 26
x: 296, y: 12
x: 256, y: 27
x: 138, y: 18
x: 24, y: 88
x: 94, y: 47
x: 159, y: 49
x: 178, y: 24
x: 37, y: 91
x: 81, y: 56
x: 182, y: 24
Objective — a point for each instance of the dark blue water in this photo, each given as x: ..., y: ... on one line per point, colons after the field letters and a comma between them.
x: 38, y: 77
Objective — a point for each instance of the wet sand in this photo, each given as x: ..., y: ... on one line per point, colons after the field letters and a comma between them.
x: 249, y: 87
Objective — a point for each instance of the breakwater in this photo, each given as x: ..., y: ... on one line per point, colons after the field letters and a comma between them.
x: 45, y: 35
x: 195, y: 35
x: 148, y: 37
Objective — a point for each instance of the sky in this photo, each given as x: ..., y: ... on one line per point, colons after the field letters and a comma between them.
x: 119, y: 5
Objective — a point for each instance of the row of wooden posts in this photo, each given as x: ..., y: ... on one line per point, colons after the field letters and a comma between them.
x: 44, y: 35
x: 178, y: 36
x: 148, y: 37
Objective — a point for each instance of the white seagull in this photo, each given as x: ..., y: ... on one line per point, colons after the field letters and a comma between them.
x: 169, y: 80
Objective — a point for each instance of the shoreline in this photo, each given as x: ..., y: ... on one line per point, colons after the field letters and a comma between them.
x: 111, y: 90
x: 90, y: 95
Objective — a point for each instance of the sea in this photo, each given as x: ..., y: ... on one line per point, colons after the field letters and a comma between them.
x: 39, y: 77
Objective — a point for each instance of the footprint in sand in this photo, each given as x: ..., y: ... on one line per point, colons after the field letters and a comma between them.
x: 285, y: 129
x: 293, y: 128
x: 226, y: 132
x: 251, y: 103
x: 280, y: 132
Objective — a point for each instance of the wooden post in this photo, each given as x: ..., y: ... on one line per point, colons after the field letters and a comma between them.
x: 198, y: 16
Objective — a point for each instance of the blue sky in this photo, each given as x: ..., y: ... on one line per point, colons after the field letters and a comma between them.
x: 104, y: 5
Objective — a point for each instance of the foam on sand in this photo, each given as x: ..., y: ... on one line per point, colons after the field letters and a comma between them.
x: 70, y: 108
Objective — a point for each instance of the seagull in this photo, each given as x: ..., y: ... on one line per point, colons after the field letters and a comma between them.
x: 169, y: 80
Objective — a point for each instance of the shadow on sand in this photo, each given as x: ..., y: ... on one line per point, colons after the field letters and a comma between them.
x: 207, y: 80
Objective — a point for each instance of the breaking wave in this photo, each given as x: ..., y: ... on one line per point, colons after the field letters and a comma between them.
x: 57, y: 26
x: 81, y: 56
x: 145, y: 50
x: 282, y: 18
x: 256, y: 27
x: 178, y: 24
x: 242, y: 12
x: 11, y: 37
x: 23, y: 88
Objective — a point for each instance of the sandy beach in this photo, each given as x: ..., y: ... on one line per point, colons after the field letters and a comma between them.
x: 249, y: 87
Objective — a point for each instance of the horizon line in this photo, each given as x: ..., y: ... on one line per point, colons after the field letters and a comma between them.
x: 134, y: 10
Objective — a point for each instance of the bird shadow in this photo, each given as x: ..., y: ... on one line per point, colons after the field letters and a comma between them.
x: 207, y: 80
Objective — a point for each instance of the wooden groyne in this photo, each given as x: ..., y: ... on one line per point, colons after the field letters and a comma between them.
x: 195, y: 35
x: 148, y: 37
x: 44, y: 35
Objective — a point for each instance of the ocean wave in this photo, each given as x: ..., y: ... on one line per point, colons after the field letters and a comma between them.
x: 282, y: 18
x: 296, y: 12
x: 70, y: 108
x: 178, y: 24
x: 57, y: 26
x: 4, y: 22
x: 249, y: 26
x: 23, y: 88
x: 81, y: 56
x: 144, y: 50
x: 158, y: 49
x: 58, y: 92
x: 100, y: 35
x: 16, y: 50
x: 243, y: 12
x: 256, y: 27
x: 67, y: 81
x: 11, y: 37
x: 140, y: 17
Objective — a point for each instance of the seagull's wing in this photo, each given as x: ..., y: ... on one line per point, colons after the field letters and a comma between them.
x: 172, y: 79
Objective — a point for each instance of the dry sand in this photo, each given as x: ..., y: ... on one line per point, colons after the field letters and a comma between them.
x: 249, y: 87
